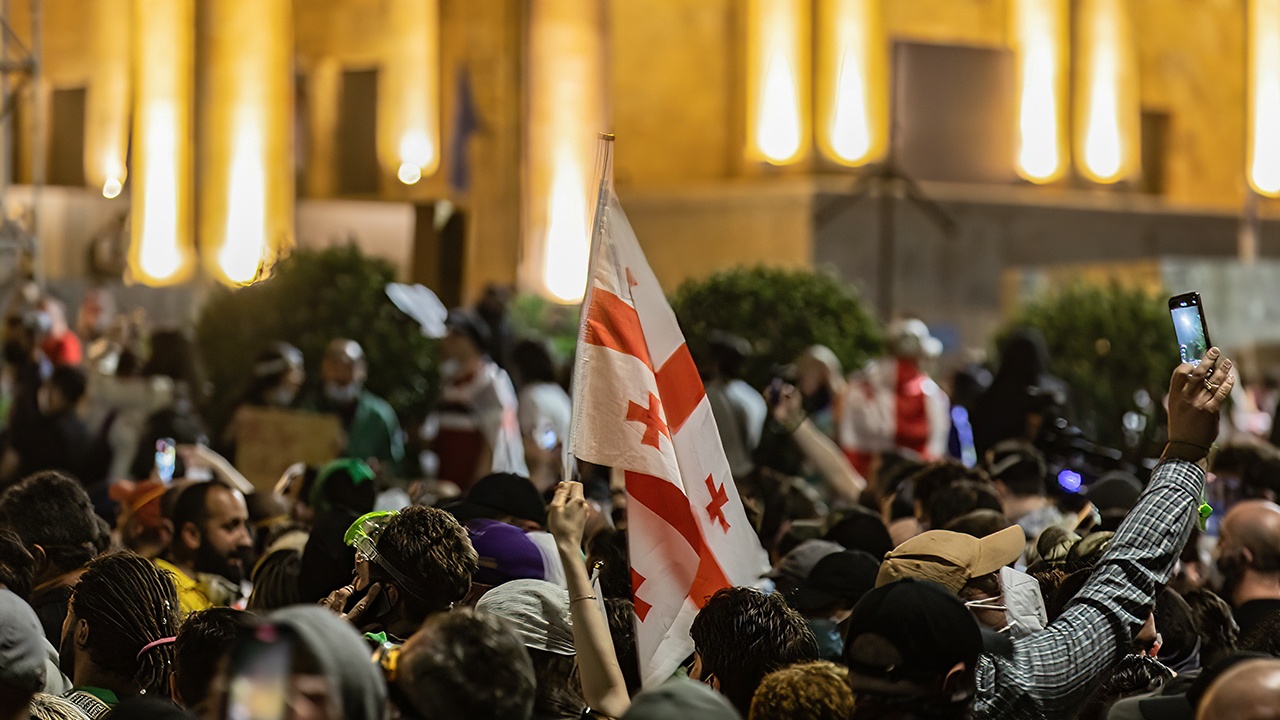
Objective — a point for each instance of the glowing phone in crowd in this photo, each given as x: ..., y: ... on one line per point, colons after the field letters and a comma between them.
x: 166, y: 459
x: 1189, y: 324
x: 260, y: 669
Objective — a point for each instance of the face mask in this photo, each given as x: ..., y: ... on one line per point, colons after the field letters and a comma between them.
x: 1021, y: 602
x: 342, y: 394
x: 450, y: 368
x: 282, y: 396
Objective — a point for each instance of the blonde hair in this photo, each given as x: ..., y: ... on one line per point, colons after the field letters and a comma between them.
x: 811, y: 691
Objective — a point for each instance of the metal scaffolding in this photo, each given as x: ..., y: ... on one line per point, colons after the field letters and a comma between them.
x: 20, y: 74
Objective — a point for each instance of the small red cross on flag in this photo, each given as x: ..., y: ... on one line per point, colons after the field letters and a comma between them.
x: 652, y: 419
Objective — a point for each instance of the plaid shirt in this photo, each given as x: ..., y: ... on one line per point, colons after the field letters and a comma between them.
x: 1051, y: 673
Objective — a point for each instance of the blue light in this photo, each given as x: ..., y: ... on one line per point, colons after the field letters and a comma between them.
x: 1069, y: 480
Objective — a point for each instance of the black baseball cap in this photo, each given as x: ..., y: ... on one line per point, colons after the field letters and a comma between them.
x: 845, y: 575
x: 500, y: 494
x: 909, y: 630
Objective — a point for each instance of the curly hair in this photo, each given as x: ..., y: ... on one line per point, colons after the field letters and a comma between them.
x: 432, y: 549
x: 812, y: 691
x: 743, y: 634
x: 52, y: 510
x: 129, y: 603
x: 466, y: 664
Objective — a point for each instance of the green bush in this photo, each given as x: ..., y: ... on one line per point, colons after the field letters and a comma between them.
x: 533, y: 316
x: 313, y: 297
x: 1108, y: 343
x: 781, y: 312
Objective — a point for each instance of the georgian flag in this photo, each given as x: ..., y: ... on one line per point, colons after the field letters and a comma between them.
x: 639, y: 407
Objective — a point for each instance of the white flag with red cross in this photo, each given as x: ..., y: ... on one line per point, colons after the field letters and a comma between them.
x: 639, y: 407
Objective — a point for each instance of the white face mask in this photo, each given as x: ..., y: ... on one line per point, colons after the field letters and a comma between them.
x: 450, y: 368
x: 1021, y: 602
x: 342, y: 394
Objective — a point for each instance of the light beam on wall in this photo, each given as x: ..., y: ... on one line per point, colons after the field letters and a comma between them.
x: 108, y: 96
x: 1264, y: 96
x: 777, y: 72
x: 851, y: 96
x: 1040, y: 41
x: 409, y: 90
x: 1107, y: 93
x: 247, y: 188
x: 161, y: 249
x: 565, y: 86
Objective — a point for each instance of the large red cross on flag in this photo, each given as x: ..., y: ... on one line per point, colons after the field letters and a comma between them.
x: 639, y: 407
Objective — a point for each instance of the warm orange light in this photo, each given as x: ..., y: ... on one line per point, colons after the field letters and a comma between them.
x: 160, y: 251
x: 852, y: 81
x: 408, y: 119
x: 108, y: 95
x: 247, y: 181
x: 777, y: 80
x: 565, y: 80
x: 1264, y: 96
x: 1040, y: 40
x: 1106, y: 93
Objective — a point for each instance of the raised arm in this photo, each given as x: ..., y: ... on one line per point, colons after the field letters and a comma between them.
x: 825, y: 456
x: 603, y: 686
x: 1052, y: 672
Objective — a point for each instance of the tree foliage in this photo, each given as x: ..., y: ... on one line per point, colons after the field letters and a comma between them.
x: 781, y: 313
x: 312, y: 298
x: 1114, y: 346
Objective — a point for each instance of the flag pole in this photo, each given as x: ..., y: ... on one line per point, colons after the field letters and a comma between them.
x: 604, y: 190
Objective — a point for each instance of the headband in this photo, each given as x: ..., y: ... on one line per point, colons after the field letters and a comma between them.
x: 155, y: 644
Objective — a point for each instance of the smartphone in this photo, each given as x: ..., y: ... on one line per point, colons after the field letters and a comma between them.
x: 259, y: 672
x: 166, y: 459
x: 1190, y: 327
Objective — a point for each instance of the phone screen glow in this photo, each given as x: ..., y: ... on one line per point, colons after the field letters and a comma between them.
x: 1190, y: 331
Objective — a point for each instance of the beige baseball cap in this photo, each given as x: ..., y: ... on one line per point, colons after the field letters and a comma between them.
x: 951, y: 558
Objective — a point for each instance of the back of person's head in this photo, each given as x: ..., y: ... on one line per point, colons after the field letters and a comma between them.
x: 1257, y: 465
x: 1219, y: 632
x: 960, y: 498
x: 1019, y: 467
x: 1178, y: 630
x: 533, y: 362
x: 275, y: 581
x: 191, y: 505
x: 979, y: 523
x: 912, y: 651
x: 345, y: 484
x: 466, y: 664
x: 861, y: 530
x: 539, y: 613
x: 743, y: 634
x: 126, y: 618
x: 328, y: 648
x: 1248, y: 691
x: 202, y: 644
x: 1134, y: 675
x: 811, y: 691
x: 70, y: 382
x: 23, y: 655
x: 620, y: 613
x: 17, y: 567
x: 933, y: 477
x: 680, y: 697
x: 431, y: 549
x: 54, y: 517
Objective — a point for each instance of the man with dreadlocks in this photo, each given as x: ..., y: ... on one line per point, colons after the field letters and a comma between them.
x: 117, y: 641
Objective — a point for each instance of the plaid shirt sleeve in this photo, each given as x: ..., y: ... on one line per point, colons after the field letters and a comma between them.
x: 1051, y: 673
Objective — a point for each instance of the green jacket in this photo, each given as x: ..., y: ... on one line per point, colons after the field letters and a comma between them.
x: 375, y: 432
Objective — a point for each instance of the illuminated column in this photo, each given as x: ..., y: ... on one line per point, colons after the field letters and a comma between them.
x: 1264, y: 96
x: 852, y: 95
x: 160, y: 251
x: 409, y: 90
x: 107, y: 102
x: 777, y: 80
x: 565, y: 82
x: 246, y: 112
x: 1108, y: 111
x: 1039, y: 33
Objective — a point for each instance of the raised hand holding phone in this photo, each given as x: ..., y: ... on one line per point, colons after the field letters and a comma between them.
x: 1187, y: 311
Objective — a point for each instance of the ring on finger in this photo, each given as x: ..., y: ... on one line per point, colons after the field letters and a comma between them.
x: 1213, y: 387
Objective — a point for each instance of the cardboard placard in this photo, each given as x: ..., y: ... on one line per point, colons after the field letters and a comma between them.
x: 269, y: 440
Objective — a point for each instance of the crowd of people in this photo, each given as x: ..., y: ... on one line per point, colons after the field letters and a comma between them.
x: 926, y: 560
